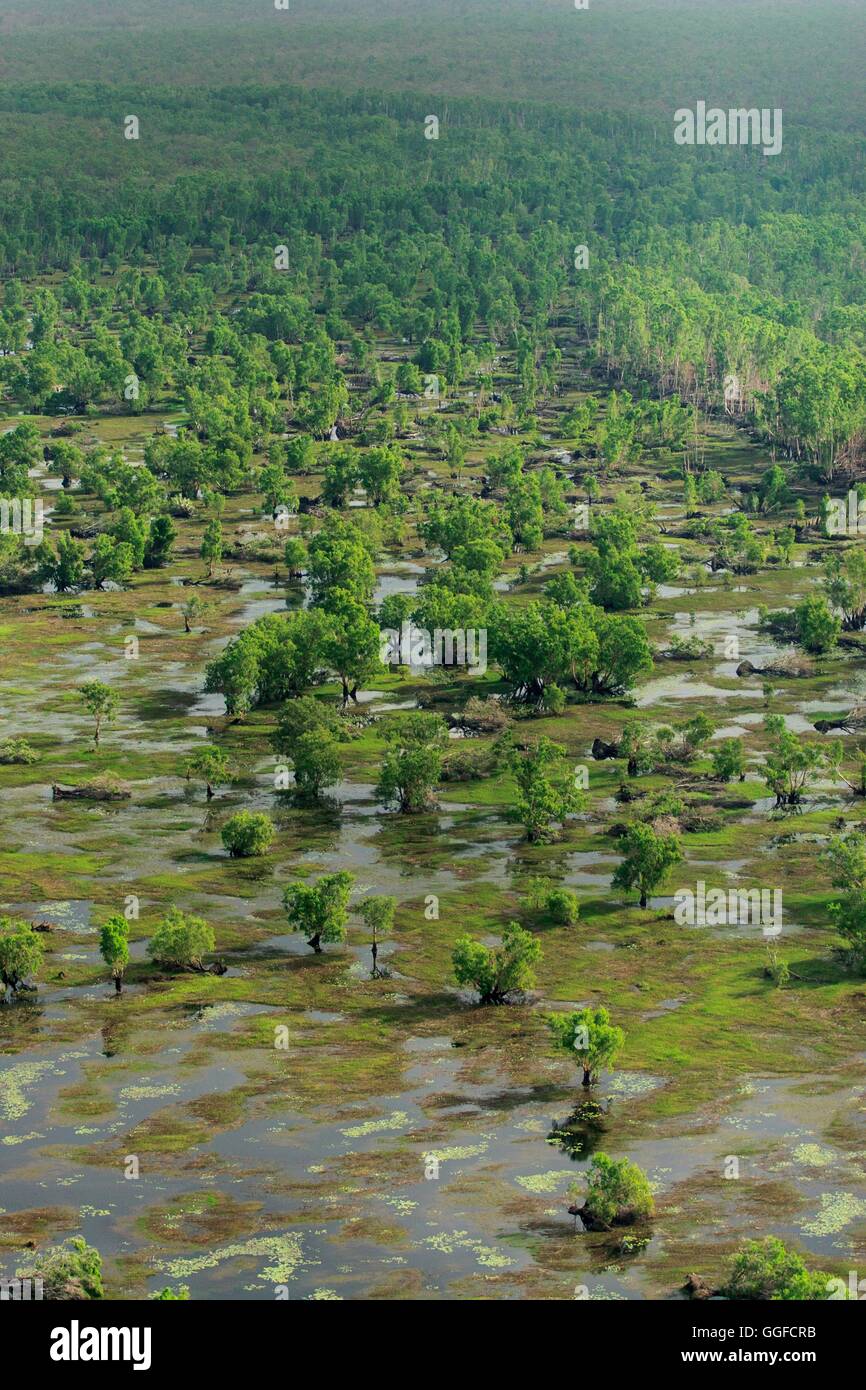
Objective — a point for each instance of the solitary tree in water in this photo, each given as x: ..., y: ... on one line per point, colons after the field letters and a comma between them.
x: 647, y: 859
x: 589, y: 1037
x: 497, y: 972
x: 21, y: 954
x: 211, y: 766
x: 100, y: 701
x: 320, y: 910
x: 114, y: 947
x: 378, y: 915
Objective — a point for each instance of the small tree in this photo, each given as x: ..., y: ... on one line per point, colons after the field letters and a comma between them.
x: 100, y: 701
x: 193, y: 609
x: 378, y: 914
x: 21, y: 953
x: 558, y: 905
x: 647, y: 859
x: 412, y: 765
x: 618, y: 1194
x: 590, y: 1038
x: 846, y: 858
x: 316, y: 762
x: 114, y: 947
x: 212, y: 545
x: 764, y: 1270
x: 72, y: 1270
x: 211, y: 766
x: 248, y: 834
x: 729, y: 760
x: 546, y: 791
x: 320, y: 910
x: 817, y: 627
x: 791, y: 762
x: 497, y: 972
x: 181, y: 941
x: 295, y: 555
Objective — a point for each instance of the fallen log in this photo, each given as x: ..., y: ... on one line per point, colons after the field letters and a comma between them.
x: 100, y: 789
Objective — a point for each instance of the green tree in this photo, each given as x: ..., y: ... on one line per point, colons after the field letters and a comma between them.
x: 497, y: 972
x: 114, y: 947
x: 817, y: 627
x: 248, y: 834
x: 212, y: 545
x: 316, y: 763
x: 766, y: 1270
x: 412, y: 765
x: 617, y: 1194
x: 791, y: 763
x: 72, y: 1270
x: 320, y: 910
x: 546, y: 791
x: 647, y: 859
x: 181, y: 941
x: 101, y: 702
x: 21, y: 953
x: 378, y: 914
x: 729, y: 760
x: 589, y: 1037
x: 211, y: 766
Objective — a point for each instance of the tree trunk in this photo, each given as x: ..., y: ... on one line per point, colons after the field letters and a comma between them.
x: 316, y: 943
x: 118, y: 984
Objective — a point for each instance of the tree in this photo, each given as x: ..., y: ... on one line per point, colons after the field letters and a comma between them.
x: 845, y: 856
x: 497, y: 972
x: 378, y: 914
x: 729, y: 760
x: 647, y: 859
x: 558, y: 905
x: 114, y: 947
x: 316, y: 763
x: 303, y: 715
x: 320, y: 910
x: 352, y: 644
x: 617, y: 1194
x: 845, y: 586
x: 766, y: 1270
x: 21, y: 953
x: 248, y: 834
x: 72, y: 1270
x: 211, y: 766
x: 110, y: 560
x: 546, y: 792
x: 181, y: 941
x: 194, y: 607
x: 101, y: 702
x: 412, y: 764
x: 817, y: 627
x: 212, y: 545
x: 160, y: 540
x: 589, y: 1037
x: 791, y: 763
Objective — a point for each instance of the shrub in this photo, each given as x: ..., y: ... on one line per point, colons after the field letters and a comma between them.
x: 180, y: 940
x: 618, y: 1192
x: 497, y: 972
x: 247, y: 834
x: 765, y: 1270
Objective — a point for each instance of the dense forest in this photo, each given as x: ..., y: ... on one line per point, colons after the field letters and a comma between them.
x: 433, y: 616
